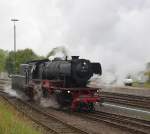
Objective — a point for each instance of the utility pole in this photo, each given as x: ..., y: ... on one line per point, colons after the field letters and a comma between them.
x: 14, y: 20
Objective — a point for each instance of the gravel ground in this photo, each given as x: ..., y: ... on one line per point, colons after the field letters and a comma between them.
x: 126, y: 111
x: 99, y: 127
x: 91, y: 126
x: 127, y: 90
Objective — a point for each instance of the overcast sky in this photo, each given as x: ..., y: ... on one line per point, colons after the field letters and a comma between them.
x: 113, y: 32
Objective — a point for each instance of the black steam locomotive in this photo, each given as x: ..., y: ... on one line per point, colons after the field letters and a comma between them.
x: 65, y: 79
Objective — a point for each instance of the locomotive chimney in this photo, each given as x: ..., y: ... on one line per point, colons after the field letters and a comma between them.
x: 75, y: 57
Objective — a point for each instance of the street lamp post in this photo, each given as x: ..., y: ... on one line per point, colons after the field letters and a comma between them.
x: 14, y: 20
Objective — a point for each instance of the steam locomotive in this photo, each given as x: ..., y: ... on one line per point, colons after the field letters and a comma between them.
x: 65, y: 80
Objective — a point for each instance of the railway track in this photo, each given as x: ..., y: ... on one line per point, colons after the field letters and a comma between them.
x: 126, y: 99
x: 133, y: 125
x: 118, y: 98
x: 54, y: 125
x: 47, y: 121
x: 3, y: 82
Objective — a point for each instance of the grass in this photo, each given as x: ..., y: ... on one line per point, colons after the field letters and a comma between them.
x: 13, y: 122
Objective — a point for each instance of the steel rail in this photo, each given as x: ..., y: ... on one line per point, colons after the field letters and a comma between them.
x: 47, y: 121
x: 137, y: 126
x: 126, y: 99
x: 133, y: 125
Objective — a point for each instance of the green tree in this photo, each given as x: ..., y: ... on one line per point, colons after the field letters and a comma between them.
x: 9, y: 64
x: 147, y: 71
x: 3, y: 55
x: 22, y: 56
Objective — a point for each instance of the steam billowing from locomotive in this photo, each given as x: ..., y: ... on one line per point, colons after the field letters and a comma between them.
x: 55, y: 50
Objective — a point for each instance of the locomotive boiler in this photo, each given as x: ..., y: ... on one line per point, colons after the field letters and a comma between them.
x: 66, y: 80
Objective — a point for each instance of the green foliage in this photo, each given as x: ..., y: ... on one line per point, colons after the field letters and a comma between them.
x: 22, y: 56
x: 147, y: 72
x: 144, y: 85
x: 9, y: 63
x: 148, y: 66
x: 3, y: 55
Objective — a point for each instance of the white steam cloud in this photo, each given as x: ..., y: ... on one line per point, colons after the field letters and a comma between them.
x: 11, y: 92
x: 113, y: 32
x: 49, y: 102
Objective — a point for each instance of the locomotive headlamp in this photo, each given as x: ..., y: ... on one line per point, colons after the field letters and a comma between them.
x: 68, y: 92
x: 84, y: 63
